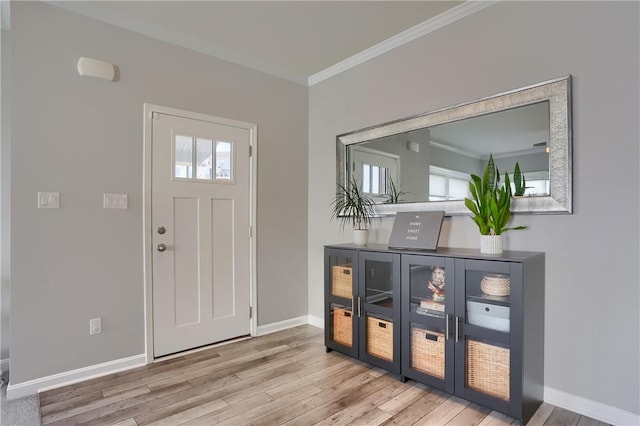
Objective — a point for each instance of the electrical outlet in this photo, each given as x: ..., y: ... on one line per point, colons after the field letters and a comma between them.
x: 95, y: 326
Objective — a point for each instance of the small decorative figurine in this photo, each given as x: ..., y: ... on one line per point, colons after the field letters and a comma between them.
x: 436, y: 285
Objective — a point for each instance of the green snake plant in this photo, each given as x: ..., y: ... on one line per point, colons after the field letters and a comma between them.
x: 491, y: 202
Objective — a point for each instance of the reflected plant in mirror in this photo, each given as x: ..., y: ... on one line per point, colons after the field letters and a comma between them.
x: 430, y: 156
x: 394, y: 194
x: 519, y: 182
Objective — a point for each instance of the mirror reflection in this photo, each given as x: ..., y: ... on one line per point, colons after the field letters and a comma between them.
x: 423, y: 162
x: 434, y: 163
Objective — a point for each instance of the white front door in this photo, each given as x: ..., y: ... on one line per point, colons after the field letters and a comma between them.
x: 200, y: 201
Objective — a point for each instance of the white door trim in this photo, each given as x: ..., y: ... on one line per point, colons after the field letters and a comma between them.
x: 149, y: 109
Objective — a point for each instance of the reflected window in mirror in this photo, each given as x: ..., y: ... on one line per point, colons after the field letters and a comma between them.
x: 374, y: 170
x: 445, y: 184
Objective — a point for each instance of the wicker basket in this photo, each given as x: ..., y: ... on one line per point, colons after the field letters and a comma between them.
x: 427, y: 352
x: 342, y: 327
x: 341, y: 281
x: 380, y: 338
x: 496, y: 285
x: 488, y: 369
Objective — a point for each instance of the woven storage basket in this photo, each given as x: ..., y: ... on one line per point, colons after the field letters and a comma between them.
x: 341, y: 281
x: 496, y: 285
x: 488, y: 369
x: 427, y: 352
x: 342, y: 323
x: 380, y: 338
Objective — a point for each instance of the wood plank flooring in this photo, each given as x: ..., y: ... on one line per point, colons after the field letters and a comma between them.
x: 285, y: 378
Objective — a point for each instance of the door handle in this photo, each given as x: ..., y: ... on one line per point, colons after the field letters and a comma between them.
x: 161, y: 247
x: 446, y: 327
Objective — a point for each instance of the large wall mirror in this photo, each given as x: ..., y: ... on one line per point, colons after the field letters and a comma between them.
x: 424, y: 162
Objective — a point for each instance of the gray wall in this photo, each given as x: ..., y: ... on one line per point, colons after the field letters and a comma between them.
x: 83, y: 137
x: 457, y: 162
x: 5, y: 199
x: 528, y: 163
x: 591, y: 322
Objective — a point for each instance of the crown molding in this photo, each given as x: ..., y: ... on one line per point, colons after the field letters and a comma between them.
x: 450, y: 16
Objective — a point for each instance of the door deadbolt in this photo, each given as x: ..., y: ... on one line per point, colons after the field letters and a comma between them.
x: 161, y: 247
x: 161, y: 230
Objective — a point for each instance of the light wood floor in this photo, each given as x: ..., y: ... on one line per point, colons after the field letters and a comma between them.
x: 283, y: 378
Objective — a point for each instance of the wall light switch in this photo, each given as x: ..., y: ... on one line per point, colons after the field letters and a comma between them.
x: 95, y: 326
x: 115, y: 201
x: 48, y: 200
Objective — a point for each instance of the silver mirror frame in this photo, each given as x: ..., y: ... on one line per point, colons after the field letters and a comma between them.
x: 557, y: 92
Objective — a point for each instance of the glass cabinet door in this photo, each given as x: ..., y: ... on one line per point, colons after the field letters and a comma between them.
x: 341, y: 273
x: 378, y: 283
x: 341, y: 327
x: 341, y: 324
x: 484, y: 325
x: 379, y: 309
x: 427, y: 305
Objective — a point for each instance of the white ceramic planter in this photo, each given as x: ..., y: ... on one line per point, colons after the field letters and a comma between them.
x: 491, y: 244
x: 360, y: 237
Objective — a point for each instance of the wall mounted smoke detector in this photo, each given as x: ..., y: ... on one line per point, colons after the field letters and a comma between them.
x: 94, y: 68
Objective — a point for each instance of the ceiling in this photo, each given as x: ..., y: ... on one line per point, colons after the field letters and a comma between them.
x: 290, y: 39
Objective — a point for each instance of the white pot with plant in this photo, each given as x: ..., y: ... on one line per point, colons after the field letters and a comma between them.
x: 491, y: 207
x: 352, y: 206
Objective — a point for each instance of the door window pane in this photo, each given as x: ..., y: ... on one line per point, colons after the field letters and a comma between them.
x: 223, y: 160
x: 204, y: 158
x: 366, y: 178
x: 183, y: 157
x: 375, y: 180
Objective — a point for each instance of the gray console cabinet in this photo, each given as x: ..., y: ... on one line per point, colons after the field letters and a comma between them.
x: 466, y: 323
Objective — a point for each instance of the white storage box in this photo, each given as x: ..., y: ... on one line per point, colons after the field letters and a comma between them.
x: 488, y: 315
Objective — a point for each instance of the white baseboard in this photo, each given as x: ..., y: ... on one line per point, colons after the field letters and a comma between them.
x: 586, y: 407
x: 281, y: 325
x: 315, y: 321
x: 68, y: 377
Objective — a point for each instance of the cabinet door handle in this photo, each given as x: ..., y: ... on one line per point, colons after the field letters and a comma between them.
x: 359, y: 306
x: 457, y: 329
x: 446, y: 327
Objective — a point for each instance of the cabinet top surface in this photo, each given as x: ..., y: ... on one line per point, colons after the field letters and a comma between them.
x: 509, y: 256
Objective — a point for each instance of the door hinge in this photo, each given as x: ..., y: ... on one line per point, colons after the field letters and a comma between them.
x: 250, y: 150
x: 250, y: 312
x: 251, y: 232
x: 155, y: 115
